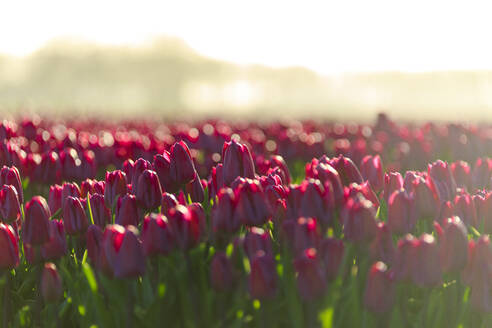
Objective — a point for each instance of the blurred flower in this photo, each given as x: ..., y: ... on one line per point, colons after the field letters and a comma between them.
x: 157, y: 237
x: 237, y: 162
x: 379, y: 295
x: 371, y: 169
x: 310, y: 276
x: 35, y: 230
x: 51, y: 284
x: 221, y: 272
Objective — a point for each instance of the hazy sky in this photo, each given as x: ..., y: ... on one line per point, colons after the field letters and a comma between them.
x: 327, y: 36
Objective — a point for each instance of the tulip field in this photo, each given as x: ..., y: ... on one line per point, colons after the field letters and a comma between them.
x: 245, y: 224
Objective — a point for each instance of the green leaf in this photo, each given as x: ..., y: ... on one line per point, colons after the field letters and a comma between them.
x: 89, y: 275
x: 89, y: 209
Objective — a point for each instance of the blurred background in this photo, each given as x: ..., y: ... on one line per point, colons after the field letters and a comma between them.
x: 256, y: 59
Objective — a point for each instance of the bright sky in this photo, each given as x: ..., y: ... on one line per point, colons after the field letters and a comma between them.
x: 327, y: 36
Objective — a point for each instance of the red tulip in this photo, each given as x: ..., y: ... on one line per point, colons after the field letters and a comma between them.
x: 453, y: 244
x: 401, y: 212
x: 425, y: 271
x: 252, y: 207
x: 35, y: 230
x: 359, y: 220
x: 310, y: 276
x: 51, y: 284
x: 182, y: 169
x: 168, y: 202
x: 263, y: 276
x: 116, y: 185
x: 100, y: 213
x: 11, y: 176
x: 332, y: 252
x: 371, y: 169
x: 379, y: 295
x: 9, y: 204
x: 74, y: 217
x: 55, y: 198
x: 9, y: 257
x: 382, y: 248
x: 222, y: 217
x: 56, y: 247
x: 149, y: 192
x: 256, y: 239
x: 221, y: 272
x: 127, y: 211
x: 185, y: 227
x: 157, y: 237
x: 237, y: 162
x: 392, y: 181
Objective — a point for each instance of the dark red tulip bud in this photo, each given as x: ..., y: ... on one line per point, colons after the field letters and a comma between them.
x: 157, y: 238
x: 182, y: 169
x: 168, y: 202
x: 379, y: 295
x: 149, y: 192
x: 94, y: 239
x: 237, y: 162
x: 332, y: 251
x: 70, y: 189
x: 326, y: 173
x: 317, y: 202
x: 11, y: 176
x: 426, y: 201
x: 263, y: 276
x: 116, y: 185
x: 139, y: 167
x: 221, y: 272
x: 347, y: 169
x: 99, y: 187
x: 382, y: 248
x: 364, y: 189
x: 464, y: 207
x: 442, y: 180
x: 74, y: 217
x: 185, y: 227
x: 199, y: 215
x: 124, y: 251
x: 392, y: 181
x: 87, y: 187
x: 100, y: 213
x: 408, y: 181
x: 195, y: 190
x: 9, y: 257
x: 56, y: 247
x: 256, y: 239
x: 222, y: 216
x: 483, y: 204
x: 426, y: 272
x: 36, y: 229
x: 371, y: 169
x: 162, y: 166
x: 128, y: 167
x: 453, y: 244
x: 461, y: 174
x: 405, y: 257
x: 310, y: 276
x: 279, y: 162
x: 252, y: 207
x: 51, y: 284
x: 301, y: 234
x: 9, y: 204
x: 217, y: 178
x: 127, y: 211
x: 401, y: 212
x: 55, y: 198
x: 482, y: 170
x: 359, y: 220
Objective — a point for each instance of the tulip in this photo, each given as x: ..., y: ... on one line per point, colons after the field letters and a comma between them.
x: 453, y: 244
x: 185, y: 227
x: 138, y: 168
x: 252, y: 206
x: 162, y: 166
x: 237, y: 162
x: 263, y: 277
x: 11, y: 176
x: 405, y: 259
x: 364, y: 189
x: 222, y: 216
x: 426, y: 201
x: 9, y: 257
x: 409, y: 180
x: 74, y: 217
x: 124, y: 251
x: 195, y: 190
x: 482, y: 171
x: 149, y: 192
x: 327, y: 174
x: 310, y: 276
x: 56, y: 247
x: 464, y: 207
x: 379, y: 295
x: 55, y: 198
x: 35, y: 230
x: 9, y: 204
x: 382, y: 248
x: 332, y: 252
x: 116, y: 185
x: 217, y: 179
x: 277, y: 161
x: 51, y: 284
x: 100, y: 213
x: 371, y: 169
x: 128, y: 167
x: 401, y: 212
x: 127, y: 211
x: 157, y: 237
x: 87, y: 187
x: 483, y: 204
x: 257, y: 239
x: 462, y: 174
x: 94, y: 240
x: 392, y: 181
x: 70, y: 163
x: 347, y: 169
x: 99, y: 187
x: 168, y: 202
x: 359, y: 220
x: 221, y: 272
x: 49, y: 170
x: 182, y: 169
x: 442, y: 180
x: 70, y: 189
x: 316, y: 202
x: 425, y: 271
x: 301, y: 234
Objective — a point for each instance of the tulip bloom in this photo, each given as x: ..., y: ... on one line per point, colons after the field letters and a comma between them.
x: 94, y: 239
x: 327, y: 174
x: 127, y: 211
x: 11, y: 176
x: 182, y: 169
x: 359, y: 220
x: 70, y: 189
x: 51, y: 284
x: 56, y: 247
x: 157, y: 237
x: 195, y: 190
x: 401, y: 212
x: 252, y: 206
x: 9, y: 204
x: 138, y: 168
x: 55, y: 198
x: 426, y: 272
x: 100, y: 213
x: 462, y: 174
x: 36, y: 230
x: 382, y: 248
x: 371, y: 169
x: 464, y: 207
x: 453, y: 244
x: 379, y: 295
x: 237, y: 162
x: 222, y: 216
x: 256, y: 239
x: 149, y: 191
x: 442, y: 180
x: 426, y: 200
x: 74, y: 217
x: 406, y: 256
x: 162, y: 166
x: 263, y: 276
x: 347, y: 169
x: 168, y: 201
x: 301, y: 234
x: 185, y: 227
x: 332, y: 251
x: 116, y: 185
x: 221, y: 272
x: 9, y: 257
x: 392, y: 181
x: 310, y: 276
x: 316, y: 202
